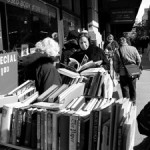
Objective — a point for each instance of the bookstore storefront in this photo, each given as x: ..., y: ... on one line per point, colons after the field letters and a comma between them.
x: 25, y: 22
x: 70, y: 23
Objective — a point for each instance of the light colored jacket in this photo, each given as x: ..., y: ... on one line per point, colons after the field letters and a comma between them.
x: 130, y: 55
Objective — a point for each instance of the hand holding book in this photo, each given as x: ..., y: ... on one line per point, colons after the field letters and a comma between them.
x: 85, y: 64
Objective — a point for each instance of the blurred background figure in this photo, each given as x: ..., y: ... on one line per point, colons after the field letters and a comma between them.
x: 110, y: 46
x: 70, y: 46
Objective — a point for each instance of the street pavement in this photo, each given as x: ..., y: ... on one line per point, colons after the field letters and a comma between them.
x: 143, y: 93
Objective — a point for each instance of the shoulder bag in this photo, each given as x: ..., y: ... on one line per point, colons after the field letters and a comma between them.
x: 132, y: 70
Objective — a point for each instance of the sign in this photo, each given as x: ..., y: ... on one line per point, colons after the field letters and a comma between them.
x: 122, y: 16
x: 33, y: 5
x: 8, y: 72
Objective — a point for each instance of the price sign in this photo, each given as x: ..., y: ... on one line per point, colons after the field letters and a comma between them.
x: 8, y: 72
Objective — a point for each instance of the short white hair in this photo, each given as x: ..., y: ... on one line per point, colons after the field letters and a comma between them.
x: 39, y: 46
x: 50, y: 47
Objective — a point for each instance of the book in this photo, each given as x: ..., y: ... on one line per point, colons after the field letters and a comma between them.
x: 39, y: 128
x: 5, y: 128
x: 104, y: 116
x: 44, y: 96
x: 21, y: 88
x: 68, y: 73
x: 34, y: 128
x: 75, y: 64
x: 105, y: 135
x: 48, y: 106
x: 73, y: 131
x: 78, y: 103
x: 6, y: 99
x: 27, y: 140
x: 92, y: 71
x: 74, y: 91
x: 14, y: 122
x: 94, y: 84
x: 27, y: 93
x: 21, y: 125
x: 31, y: 99
x: 52, y: 98
x: 49, y: 130
x: 64, y: 132
x: 85, y: 64
x: 82, y: 131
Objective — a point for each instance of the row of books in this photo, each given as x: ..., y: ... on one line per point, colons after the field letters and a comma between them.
x: 68, y: 116
x: 84, y: 124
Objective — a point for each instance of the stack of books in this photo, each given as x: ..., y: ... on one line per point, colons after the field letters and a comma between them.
x: 78, y: 115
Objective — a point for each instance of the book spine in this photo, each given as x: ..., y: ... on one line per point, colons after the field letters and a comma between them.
x: 95, y: 130
x: 45, y: 130
x: 19, y: 127
x: 49, y: 131
x: 90, y: 132
x: 5, y: 124
x: 78, y: 133
x: 73, y: 126
x: 14, y: 125
x: 64, y: 132
x: 27, y: 141
x: 38, y: 129
x: 54, y: 131
x: 23, y: 128
x: 119, y: 144
x: 34, y: 129
x: 42, y: 130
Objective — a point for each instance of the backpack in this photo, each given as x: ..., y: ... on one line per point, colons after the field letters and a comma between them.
x: 143, y: 120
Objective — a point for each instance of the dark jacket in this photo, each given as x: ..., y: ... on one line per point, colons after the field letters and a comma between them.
x: 40, y: 68
x: 94, y: 53
x: 112, y: 46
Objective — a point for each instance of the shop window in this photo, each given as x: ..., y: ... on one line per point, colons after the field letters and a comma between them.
x: 76, y: 6
x: 67, y: 4
x: 27, y: 27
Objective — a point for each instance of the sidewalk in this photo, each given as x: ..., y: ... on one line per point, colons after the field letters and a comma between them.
x: 143, y: 93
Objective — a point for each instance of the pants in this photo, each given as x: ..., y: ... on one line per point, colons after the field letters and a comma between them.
x: 128, y: 87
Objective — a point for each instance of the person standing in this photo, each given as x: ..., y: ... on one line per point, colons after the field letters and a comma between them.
x: 130, y: 55
x: 93, y: 52
x: 110, y: 46
x: 40, y: 66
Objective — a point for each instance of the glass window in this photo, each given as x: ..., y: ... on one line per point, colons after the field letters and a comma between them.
x: 27, y: 27
x: 67, y: 4
x: 76, y: 6
x: 70, y: 23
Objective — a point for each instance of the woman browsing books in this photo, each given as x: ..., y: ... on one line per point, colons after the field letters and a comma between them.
x: 40, y: 66
x: 93, y: 52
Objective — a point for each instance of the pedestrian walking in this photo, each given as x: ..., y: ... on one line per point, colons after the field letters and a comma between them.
x: 130, y: 55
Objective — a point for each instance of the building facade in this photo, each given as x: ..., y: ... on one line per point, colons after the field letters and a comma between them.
x: 28, y: 21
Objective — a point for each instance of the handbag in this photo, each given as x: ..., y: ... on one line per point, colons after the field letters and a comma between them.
x: 132, y: 70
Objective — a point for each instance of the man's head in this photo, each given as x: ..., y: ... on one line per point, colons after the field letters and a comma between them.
x: 122, y: 40
x: 110, y: 38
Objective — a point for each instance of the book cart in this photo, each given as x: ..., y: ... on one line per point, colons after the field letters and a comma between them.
x: 86, y: 113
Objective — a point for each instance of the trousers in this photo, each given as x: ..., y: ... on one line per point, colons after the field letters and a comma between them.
x: 128, y: 87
